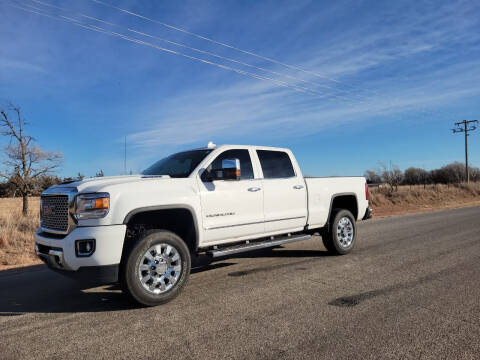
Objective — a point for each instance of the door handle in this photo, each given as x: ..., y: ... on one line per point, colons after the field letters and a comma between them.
x: 253, y: 189
x: 297, y: 187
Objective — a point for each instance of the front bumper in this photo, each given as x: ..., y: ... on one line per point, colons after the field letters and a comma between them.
x: 59, y: 252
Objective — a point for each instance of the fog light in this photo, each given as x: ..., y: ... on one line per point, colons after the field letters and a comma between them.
x: 84, y: 248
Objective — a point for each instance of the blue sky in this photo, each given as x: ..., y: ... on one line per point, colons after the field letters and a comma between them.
x: 385, y: 80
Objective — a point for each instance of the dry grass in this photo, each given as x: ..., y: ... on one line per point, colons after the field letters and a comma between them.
x: 413, y: 199
x: 16, y: 232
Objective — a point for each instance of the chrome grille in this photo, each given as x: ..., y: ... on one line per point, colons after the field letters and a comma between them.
x: 54, y: 212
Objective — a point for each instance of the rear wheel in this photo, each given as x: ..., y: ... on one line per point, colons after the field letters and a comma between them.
x: 340, y: 238
x: 156, y: 269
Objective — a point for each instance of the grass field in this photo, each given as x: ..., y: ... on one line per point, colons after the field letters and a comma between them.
x: 417, y: 198
x: 16, y: 232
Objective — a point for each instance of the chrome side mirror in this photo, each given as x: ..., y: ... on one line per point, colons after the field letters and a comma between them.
x: 230, y: 170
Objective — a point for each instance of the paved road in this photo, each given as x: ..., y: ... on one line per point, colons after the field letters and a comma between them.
x: 410, y: 289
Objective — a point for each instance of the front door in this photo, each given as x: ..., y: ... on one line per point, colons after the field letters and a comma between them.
x: 232, y: 208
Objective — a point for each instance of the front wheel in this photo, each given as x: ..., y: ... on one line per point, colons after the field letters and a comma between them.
x: 340, y: 238
x: 156, y: 269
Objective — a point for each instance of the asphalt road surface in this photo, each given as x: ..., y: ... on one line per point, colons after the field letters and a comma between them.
x: 410, y: 289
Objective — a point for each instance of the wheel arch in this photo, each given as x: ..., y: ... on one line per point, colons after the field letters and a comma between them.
x: 165, y: 217
x: 347, y: 201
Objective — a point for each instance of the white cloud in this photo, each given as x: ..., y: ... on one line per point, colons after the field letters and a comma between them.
x: 254, y: 109
x: 18, y: 65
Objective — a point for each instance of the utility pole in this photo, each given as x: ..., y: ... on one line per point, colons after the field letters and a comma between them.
x: 125, y: 157
x: 465, y: 126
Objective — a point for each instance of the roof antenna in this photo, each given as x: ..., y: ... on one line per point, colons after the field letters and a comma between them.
x: 211, y: 145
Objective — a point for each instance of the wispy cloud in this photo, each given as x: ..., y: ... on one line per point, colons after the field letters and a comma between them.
x: 410, y: 62
x: 246, y: 109
x: 391, y: 61
x: 19, y: 65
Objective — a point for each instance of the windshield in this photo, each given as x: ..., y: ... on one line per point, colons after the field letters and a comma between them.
x: 178, y: 165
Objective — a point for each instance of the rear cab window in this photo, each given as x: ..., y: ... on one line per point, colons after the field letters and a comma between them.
x: 275, y: 164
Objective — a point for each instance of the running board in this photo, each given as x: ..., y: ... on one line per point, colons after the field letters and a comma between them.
x: 256, y: 245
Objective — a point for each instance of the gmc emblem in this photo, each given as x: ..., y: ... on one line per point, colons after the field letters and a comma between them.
x: 48, y: 210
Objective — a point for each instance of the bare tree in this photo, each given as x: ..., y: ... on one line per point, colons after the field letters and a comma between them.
x: 415, y: 176
x: 392, y: 175
x: 24, y: 161
x: 373, y: 177
x: 453, y: 173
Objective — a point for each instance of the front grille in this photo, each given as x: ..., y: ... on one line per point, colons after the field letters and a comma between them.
x: 54, y: 212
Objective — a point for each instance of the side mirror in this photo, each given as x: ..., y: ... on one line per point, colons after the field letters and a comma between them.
x: 230, y: 171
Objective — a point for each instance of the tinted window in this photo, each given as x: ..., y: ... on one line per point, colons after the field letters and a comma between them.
x: 242, y: 155
x: 275, y: 164
x: 178, y: 165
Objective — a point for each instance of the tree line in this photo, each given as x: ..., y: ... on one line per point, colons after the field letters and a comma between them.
x: 37, y: 185
x: 453, y: 173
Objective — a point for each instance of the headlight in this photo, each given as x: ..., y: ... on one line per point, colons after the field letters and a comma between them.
x: 92, y: 206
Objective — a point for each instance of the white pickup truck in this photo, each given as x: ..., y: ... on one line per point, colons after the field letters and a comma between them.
x: 143, y: 230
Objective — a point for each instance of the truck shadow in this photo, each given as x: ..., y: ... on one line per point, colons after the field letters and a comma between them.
x: 282, y: 252
x: 304, y: 257
x: 39, y: 290
x: 36, y: 289
x: 275, y: 252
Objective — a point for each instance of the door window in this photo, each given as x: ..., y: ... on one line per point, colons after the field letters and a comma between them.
x: 275, y: 164
x: 245, y: 162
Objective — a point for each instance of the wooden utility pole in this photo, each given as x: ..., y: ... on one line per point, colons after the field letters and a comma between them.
x: 465, y: 126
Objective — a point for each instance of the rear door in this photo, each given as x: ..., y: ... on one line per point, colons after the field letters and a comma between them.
x: 285, y: 196
x: 232, y: 208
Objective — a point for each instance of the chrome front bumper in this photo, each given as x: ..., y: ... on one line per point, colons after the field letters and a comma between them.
x: 59, y: 252
x: 54, y: 258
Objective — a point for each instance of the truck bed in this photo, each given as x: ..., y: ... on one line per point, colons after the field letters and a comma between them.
x: 322, y: 190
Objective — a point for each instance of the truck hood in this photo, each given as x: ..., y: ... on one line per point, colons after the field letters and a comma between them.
x: 98, y: 183
x: 131, y: 192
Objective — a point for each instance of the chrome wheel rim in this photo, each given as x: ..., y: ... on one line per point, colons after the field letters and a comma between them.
x: 345, y: 232
x: 160, y: 268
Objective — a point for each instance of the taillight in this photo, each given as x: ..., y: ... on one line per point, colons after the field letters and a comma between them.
x: 367, y: 193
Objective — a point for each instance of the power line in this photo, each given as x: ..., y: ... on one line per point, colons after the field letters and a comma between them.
x: 292, y: 67
x: 390, y: 103
x: 141, y: 42
x: 465, y: 129
x: 205, y: 52
x: 134, y: 40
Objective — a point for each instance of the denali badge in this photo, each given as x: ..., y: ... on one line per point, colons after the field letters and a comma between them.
x: 224, y: 214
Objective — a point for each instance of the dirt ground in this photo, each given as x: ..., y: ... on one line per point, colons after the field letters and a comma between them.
x: 419, y: 199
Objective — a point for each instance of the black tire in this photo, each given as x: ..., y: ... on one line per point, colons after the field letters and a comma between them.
x: 130, y: 274
x: 331, y: 239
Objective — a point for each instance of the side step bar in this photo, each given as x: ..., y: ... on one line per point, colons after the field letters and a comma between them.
x: 256, y: 245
